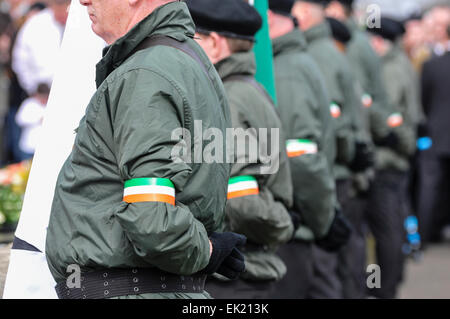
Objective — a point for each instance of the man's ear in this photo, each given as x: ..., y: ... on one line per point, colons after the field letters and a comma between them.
x: 216, y: 45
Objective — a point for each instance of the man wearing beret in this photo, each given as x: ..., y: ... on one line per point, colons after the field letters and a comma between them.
x: 387, y: 201
x: 226, y: 30
x: 304, y: 108
x: 345, y: 108
x: 130, y: 217
x: 366, y: 67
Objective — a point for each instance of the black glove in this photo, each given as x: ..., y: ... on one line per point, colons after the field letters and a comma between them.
x: 226, y: 259
x: 391, y: 141
x: 296, y: 219
x: 364, y: 158
x: 338, y: 235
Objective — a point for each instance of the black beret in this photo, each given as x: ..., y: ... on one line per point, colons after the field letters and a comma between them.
x: 339, y: 30
x: 347, y: 3
x: 321, y: 2
x: 231, y: 18
x: 390, y: 29
x: 283, y: 7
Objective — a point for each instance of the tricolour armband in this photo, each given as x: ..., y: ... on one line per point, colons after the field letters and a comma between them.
x: 149, y: 190
x: 296, y: 148
x: 241, y: 186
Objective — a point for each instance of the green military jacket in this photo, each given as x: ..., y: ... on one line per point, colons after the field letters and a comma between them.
x: 366, y: 66
x: 128, y: 133
x: 368, y: 69
x: 341, y: 89
x: 263, y: 218
x: 402, y: 94
x: 304, y: 109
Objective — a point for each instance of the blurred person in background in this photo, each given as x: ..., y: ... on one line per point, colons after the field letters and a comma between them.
x: 29, y: 118
x: 304, y: 108
x: 6, y: 33
x: 387, y: 208
x: 350, y: 139
x: 38, y: 44
x: 436, y: 22
x: 367, y: 68
x: 414, y: 41
x: 434, y: 162
x: 262, y: 215
x: 34, y: 55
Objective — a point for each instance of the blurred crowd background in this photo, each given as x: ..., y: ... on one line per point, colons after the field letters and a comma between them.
x: 30, y: 38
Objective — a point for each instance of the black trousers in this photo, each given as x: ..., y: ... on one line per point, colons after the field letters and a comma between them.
x: 352, y: 258
x: 385, y: 216
x: 326, y: 283
x: 239, y: 289
x: 295, y: 284
x: 433, y: 193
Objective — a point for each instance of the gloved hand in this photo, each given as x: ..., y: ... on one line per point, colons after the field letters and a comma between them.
x: 391, y: 141
x: 226, y: 259
x: 364, y: 158
x: 338, y: 235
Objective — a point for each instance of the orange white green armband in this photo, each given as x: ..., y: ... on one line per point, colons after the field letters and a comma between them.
x: 241, y: 186
x: 296, y: 148
x: 139, y: 190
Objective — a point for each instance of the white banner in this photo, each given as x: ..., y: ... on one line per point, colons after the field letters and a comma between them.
x: 73, y: 86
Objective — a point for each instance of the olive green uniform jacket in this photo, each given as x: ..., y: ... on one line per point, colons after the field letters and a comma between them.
x: 341, y: 89
x: 398, y: 76
x: 304, y: 109
x: 127, y: 133
x: 262, y: 218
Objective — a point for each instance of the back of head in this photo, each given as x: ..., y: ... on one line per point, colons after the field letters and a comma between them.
x: 309, y: 13
x: 340, y: 9
x: 389, y: 29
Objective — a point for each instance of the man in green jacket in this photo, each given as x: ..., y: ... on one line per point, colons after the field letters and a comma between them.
x: 132, y: 214
x: 367, y: 69
x: 304, y: 109
x: 345, y: 108
x: 258, y: 201
x: 387, y: 203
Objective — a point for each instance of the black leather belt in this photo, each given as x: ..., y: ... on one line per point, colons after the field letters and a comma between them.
x: 111, y: 283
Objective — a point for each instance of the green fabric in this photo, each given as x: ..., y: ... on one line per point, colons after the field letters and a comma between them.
x: 304, y: 110
x: 263, y: 52
x: 263, y: 218
x: 238, y: 179
x: 127, y: 134
x: 398, y: 76
x: 341, y: 89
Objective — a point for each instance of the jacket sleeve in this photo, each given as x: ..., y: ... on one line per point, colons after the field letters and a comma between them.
x: 313, y: 182
x: 263, y: 218
x: 348, y: 124
x: 146, y: 108
x: 401, y: 100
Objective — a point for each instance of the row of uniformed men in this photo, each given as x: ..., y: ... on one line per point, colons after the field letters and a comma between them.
x: 348, y: 121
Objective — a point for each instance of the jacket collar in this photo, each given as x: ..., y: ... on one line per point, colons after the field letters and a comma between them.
x: 317, y: 32
x: 393, y: 52
x: 241, y: 63
x: 352, y: 25
x: 172, y: 19
x: 294, y: 40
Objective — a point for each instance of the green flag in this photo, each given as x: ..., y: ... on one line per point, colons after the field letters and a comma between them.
x: 263, y: 51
